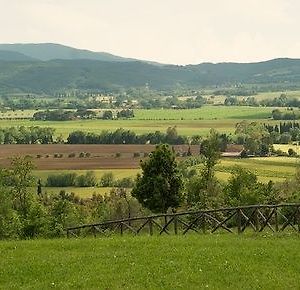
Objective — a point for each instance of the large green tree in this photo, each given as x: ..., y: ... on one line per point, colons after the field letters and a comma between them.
x: 160, y: 185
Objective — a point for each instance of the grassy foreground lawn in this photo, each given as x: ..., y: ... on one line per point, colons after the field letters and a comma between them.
x: 175, y: 262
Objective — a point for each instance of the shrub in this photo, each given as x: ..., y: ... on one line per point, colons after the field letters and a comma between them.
x: 61, y: 180
x: 72, y: 155
x: 81, y: 154
x: 126, y: 182
x: 118, y: 155
x: 107, y: 180
x: 136, y: 154
x: 292, y: 152
x: 87, y: 180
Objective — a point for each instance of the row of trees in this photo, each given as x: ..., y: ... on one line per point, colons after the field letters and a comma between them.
x: 88, y: 179
x: 281, y: 101
x: 122, y: 136
x: 289, y: 114
x: 63, y: 115
x: 27, y: 135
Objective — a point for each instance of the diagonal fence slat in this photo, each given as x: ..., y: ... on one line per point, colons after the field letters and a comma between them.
x: 257, y: 217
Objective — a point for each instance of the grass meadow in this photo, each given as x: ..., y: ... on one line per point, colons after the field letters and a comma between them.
x: 218, y: 261
x: 188, y: 122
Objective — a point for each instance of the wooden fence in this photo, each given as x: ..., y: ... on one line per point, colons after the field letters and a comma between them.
x: 275, y: 218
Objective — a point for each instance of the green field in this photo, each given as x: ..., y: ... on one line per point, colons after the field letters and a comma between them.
x: 188, y: 122
x: 266, y: 168
x: 171, y: 262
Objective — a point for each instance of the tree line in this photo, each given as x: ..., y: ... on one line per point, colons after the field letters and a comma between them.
x: 80, y: 114
x: 281, y: 101
x: 123, y: 136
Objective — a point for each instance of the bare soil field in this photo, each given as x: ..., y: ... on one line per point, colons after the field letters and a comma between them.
x: 63, y: 157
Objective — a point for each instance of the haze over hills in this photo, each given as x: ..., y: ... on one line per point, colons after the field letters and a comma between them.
x: 52, y: 51
x: 51, y: 68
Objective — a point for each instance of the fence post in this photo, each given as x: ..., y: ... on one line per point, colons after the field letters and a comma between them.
x: 203, y: 223
x: 121, y: 228
x: 298, y: 218
x: 276, y: 219
x: 150, y: 226
x: 239, y: 221
x: 175, y: 225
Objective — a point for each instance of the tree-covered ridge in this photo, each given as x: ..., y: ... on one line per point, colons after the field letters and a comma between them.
x: 62, y: 75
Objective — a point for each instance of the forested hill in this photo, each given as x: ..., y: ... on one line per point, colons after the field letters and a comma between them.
x: 52, y: 51
x: 59, y: 75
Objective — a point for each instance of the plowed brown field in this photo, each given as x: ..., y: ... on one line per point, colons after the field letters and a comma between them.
x: 101, y: 156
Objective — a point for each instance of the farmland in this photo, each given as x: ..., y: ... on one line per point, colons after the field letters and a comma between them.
x: 188, y: 122
x: 103, y: 159
x: 226, y: 262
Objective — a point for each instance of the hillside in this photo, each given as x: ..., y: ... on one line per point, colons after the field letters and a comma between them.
x: 6, y: 55
x: 50, y: 68
x: 52, y: 51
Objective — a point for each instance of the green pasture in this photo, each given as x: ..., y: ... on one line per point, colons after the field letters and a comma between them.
x: 205, y: 113
x: 188, y: 122
x: 218, y: 261
x: 276, y: 169
x: 184, y: 127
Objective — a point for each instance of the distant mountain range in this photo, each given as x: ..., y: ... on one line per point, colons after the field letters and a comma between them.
x: 50, y: 68
x: 52, y: 51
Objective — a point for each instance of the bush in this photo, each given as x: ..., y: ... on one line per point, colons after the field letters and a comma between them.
x: 87, y: 180
x: 292, y: 152
x: 118, y: 155
x: 136, y: 154
x: 107, y: 180
x: 125, y: 182
x: 61, y: 180
x: 81, y: 154
x: 72, y: 155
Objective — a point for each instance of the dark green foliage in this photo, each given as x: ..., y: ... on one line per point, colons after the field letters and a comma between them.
x: 125, y: 114
x: 62, y: 115
x: 122, y: 136
x: 107, y: 179
x: 243, y: 188
x: 160, y: 185
x: 27, y: 135
x: 87, y: 180
x: 61, y: 75
x: 107, y: 115
x: 210, y: 151
x: 61, y: 180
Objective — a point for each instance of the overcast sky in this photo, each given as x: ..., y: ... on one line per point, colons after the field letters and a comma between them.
x: 168, y: 31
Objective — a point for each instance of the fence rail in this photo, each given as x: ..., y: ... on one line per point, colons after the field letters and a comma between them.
x: 258, y: 218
